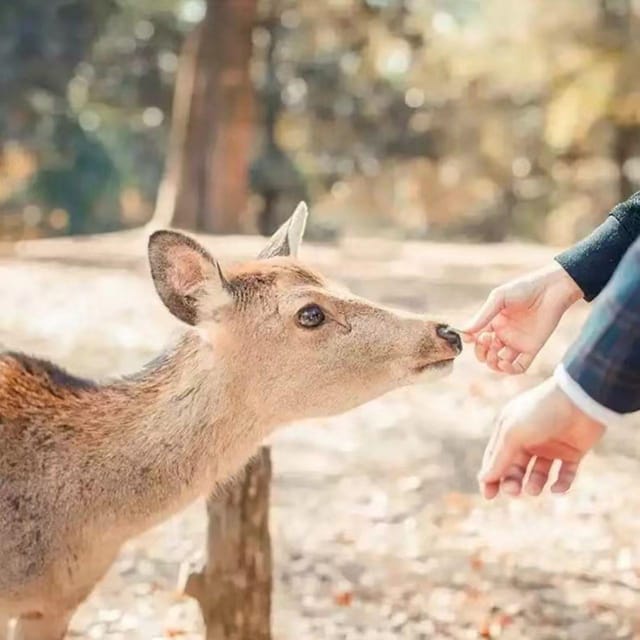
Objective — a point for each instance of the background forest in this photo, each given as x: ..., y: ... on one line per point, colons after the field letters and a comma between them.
x: 428, y: 119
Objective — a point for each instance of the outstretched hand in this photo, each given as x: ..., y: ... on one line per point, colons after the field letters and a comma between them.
x: 518, y: 317
x: 535, y: 429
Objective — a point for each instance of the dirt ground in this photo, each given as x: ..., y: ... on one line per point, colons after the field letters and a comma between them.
x: 378, y: 529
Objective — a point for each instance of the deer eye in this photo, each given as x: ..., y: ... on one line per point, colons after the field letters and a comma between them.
x: 311, y: 316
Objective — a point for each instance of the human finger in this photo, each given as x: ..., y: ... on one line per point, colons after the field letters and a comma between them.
x: 538, y: 476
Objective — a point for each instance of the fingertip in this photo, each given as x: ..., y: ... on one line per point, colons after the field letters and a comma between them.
x: 492, y: 363
x: 492, y: 357
x: 533, y: 489
x: 511, y: 488
x: 560, y: 487
x: 506, y: 367
x: 538, y: 476
x: 481, y: 352
x: 489, y: 490
x: 566, y: 477
x: 507, y: 353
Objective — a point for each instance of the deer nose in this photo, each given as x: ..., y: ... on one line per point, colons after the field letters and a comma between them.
x: 450, y: 335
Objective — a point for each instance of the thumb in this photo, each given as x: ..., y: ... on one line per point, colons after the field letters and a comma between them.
x: 489, y: 310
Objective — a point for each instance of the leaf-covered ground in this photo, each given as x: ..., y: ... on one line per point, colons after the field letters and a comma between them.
x: 378, y: 530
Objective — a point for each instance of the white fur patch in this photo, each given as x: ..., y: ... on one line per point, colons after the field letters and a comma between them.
x: 434, y: 373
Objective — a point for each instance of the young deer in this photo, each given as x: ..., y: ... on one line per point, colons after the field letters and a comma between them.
x: 86, y: 466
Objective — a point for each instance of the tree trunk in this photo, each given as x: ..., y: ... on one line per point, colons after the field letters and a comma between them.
x: 205, y: 187
x: 227, y: 186
x: 177, y: 167
x: 234, y: 589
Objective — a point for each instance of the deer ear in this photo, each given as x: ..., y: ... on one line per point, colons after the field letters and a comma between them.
x: 187, y: 278
x: 286, y: 240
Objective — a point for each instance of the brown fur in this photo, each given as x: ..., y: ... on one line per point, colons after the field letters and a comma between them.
x: 85, y: 466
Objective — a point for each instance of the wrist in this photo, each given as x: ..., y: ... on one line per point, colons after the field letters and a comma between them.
x: 583, y: 408
x: 573, y: 413
x: 563, y: 285
x: 577, y: 427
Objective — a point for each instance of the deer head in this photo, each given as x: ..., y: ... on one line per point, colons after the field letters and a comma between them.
x: 296, y: 344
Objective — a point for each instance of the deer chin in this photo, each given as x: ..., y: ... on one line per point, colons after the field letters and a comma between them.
x: 434, y: 370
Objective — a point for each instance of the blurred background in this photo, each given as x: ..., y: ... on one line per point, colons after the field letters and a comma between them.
x: 444, y: 146
x: 428, y: 119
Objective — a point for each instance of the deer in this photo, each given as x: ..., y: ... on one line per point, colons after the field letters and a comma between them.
x: 86, y: 465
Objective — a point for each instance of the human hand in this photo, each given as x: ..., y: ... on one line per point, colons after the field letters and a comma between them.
x: 518, y: 317
x: 534, y: 429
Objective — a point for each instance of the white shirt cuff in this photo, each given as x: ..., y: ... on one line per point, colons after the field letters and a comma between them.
x: 583, y: 400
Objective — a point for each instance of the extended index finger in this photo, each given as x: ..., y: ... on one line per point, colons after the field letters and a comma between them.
x: 489, y: 310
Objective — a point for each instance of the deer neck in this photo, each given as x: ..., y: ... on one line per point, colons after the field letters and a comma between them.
x: 180, y: 427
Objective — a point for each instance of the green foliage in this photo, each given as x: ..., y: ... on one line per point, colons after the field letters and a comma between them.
x: 43, y: 42
x: 88, y: 86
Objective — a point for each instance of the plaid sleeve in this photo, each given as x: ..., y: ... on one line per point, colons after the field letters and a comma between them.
x: 605, y: 360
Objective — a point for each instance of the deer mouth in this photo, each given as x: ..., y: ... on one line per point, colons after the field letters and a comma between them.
x: 445, y: 363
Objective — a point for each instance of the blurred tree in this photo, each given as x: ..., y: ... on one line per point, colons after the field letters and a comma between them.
x: 83, y: 93
x: 206, y: 181
x: 205, y: 188
x: 273, y: 174
x: 42, y: 44
x: 440, y: 118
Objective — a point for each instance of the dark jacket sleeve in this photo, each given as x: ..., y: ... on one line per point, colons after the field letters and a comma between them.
x: 605, y: 359
x: 592, y: 261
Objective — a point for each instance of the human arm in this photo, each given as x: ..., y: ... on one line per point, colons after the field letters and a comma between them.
x: 561, y: 419
x: 592, y: 261
x: 518, y: 317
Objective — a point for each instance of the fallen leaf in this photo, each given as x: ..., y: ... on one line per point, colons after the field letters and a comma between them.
x: 343, y: 598
x: 484, y: 629
x: 476, y: 562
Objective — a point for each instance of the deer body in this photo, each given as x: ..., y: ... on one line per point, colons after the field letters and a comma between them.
x: 86, y: 466
x: 109, y: 461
